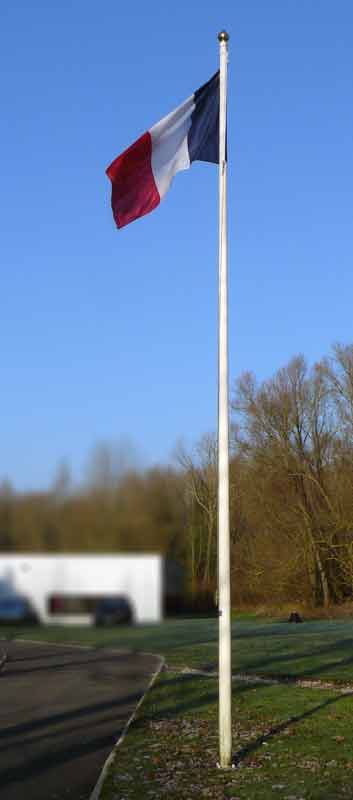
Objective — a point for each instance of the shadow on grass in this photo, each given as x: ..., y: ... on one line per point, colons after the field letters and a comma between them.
x: 191, y: 699
x: 260, y: 664
x: 159, y: 638
x: 195, y: 641
x: 240, y: 755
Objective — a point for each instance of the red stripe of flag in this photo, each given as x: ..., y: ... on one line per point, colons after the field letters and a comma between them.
x: 134, y: 192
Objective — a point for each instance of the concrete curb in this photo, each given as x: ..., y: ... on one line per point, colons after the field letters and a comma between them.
x: 56, y: 644
x: 3, y: 660
x: 95, y: 795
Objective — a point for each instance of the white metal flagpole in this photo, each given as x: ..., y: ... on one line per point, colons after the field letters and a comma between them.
x: 225, y: 667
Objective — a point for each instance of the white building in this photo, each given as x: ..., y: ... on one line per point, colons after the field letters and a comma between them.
x: 65, y: 588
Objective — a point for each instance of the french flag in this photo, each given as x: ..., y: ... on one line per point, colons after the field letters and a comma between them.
x: 142, y: 174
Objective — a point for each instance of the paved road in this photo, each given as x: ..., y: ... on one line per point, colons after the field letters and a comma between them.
x: 62, y: 710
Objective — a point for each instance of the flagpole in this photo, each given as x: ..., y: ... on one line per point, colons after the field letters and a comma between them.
x: 225, y: 668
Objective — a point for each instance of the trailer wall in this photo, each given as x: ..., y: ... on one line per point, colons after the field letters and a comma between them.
x: 42, y: 577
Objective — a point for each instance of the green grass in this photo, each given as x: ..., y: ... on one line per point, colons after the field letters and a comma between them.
x: 289, y: 742
x: 312, y: 650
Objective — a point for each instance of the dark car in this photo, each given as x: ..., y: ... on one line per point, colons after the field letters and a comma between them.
x: 113, y: 611
x: 17, y: 610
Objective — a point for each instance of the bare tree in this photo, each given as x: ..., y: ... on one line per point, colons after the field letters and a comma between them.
x: 62, y: 482
x: 109, y: 462
x: 200, y: 473
x: 287, y: 429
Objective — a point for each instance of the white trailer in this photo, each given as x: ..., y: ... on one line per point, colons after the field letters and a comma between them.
x: 64, y: 588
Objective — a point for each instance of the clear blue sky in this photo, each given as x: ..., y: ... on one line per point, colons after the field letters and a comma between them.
x: 105, y: 333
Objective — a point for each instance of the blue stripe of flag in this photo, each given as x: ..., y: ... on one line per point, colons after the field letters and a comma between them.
x: 203, y: 136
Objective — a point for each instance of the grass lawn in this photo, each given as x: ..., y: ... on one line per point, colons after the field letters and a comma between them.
x: 322, y: 649
x: 289, y: 742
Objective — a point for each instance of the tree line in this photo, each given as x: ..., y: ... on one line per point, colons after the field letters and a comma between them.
x: 291, y: 494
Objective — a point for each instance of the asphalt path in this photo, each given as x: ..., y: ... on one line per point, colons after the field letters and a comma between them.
x: 62, y: 709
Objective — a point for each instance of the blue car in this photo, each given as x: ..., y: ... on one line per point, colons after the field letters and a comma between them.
x: 17, y: 610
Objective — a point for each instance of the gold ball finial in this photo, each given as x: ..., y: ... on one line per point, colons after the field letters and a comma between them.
x: 223, y: 36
